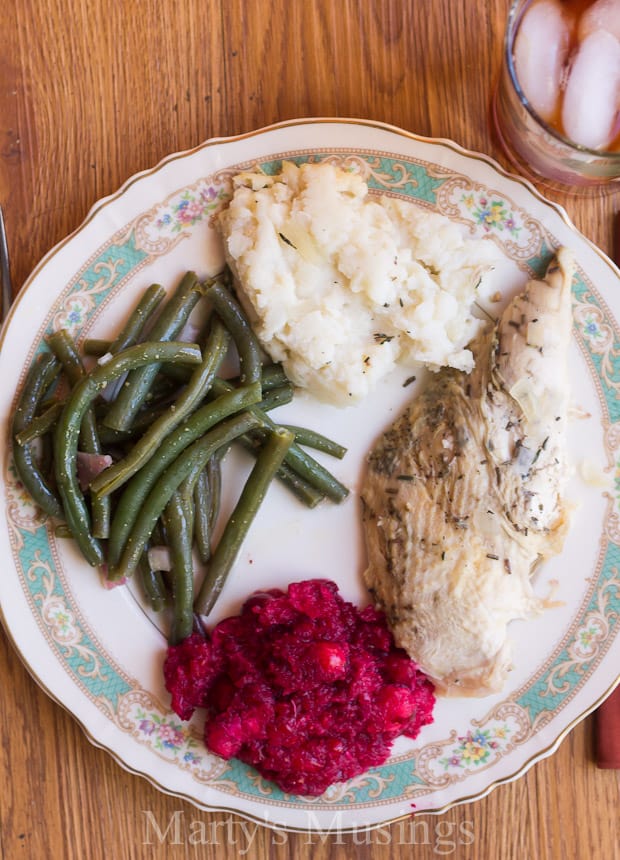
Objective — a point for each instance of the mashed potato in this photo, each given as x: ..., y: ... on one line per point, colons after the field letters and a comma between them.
x: 340, y: 286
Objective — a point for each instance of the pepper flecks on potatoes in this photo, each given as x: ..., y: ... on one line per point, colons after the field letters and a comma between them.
x: 340, y: 285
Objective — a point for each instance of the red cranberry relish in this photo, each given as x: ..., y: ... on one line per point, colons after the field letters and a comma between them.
x: 301, y: 685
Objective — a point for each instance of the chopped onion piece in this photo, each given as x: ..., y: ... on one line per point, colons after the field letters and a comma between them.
x: 159, y: 558
x: 89, y: 466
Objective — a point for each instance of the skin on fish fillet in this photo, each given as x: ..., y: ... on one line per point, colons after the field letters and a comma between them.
x: 462, y: 497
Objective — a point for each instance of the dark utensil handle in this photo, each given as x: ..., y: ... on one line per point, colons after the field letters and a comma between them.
x: 5, y: 269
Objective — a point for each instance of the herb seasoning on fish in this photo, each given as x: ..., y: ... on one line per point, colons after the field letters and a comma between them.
x: 490, y: 456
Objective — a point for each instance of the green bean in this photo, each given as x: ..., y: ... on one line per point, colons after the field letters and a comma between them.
x: 138, y: 318
x: 132, y: 330
x: 179, y: 375
x: 207, y: 498
x: 299, y: 487
x: 186, y: 490
x: 62, y: 531
x: 62, y: 345
x: 68, y: 428
x: 153, y: 585
x: 39, y: 378
x: 45, y: 457
x: 272, y: 376
x: 202, y: 518
x: 275, y: 397
x: 170, y: 322
x: 316, y: 474
x: 298, y: 459
x: 158, y: 537
x: 315, y: 440
x: 117, y: 437
x: 213, y: 472
x: 40, y: 425
x: 138, y: 488
x: 302, y: 489
x: 163, y: 392
x: 119, y: 473
x: 178, y: 526
x: 145, y: 418
x: 96, y: 347
x: 228, y: 309
x: 170, y: 481
x: 186, y: 495
x: 237, y: 527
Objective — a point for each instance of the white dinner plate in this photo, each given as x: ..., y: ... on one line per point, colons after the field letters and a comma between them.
x: 99, y: 653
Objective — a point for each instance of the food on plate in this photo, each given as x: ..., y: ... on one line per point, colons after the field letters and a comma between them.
x: 463, y: 493
x: 339, y: 286
x: 302, y: 685
x: 158, y: 439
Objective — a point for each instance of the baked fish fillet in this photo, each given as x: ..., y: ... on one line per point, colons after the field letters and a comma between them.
x: 462, y: 497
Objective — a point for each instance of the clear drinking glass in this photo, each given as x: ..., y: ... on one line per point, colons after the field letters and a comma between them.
x: 535, y: 148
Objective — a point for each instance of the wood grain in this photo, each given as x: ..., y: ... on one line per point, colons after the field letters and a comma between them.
x: 90, y: 93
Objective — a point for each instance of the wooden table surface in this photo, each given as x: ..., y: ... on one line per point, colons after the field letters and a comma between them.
x: 92, y: 91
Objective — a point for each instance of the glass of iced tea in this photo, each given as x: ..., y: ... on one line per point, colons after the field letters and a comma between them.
x: 557, y: 102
